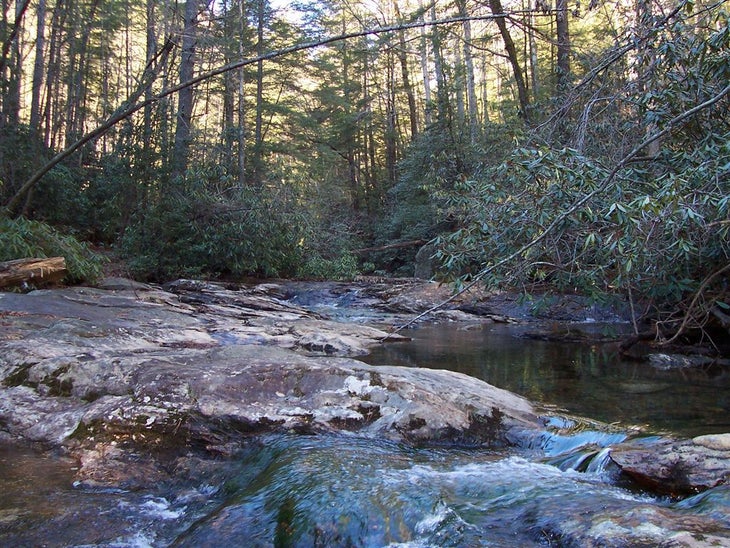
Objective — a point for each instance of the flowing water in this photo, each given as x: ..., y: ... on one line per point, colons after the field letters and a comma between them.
x: 342, y: 490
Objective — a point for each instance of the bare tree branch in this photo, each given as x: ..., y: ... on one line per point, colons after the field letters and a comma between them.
x: 690, y: 308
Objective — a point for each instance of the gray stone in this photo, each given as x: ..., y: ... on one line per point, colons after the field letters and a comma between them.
x: 677, y: 467
x: 425, y: 266
x: 716, y: 442
x: 642, y: 525
x: 86, y: 367
x: 114, y: 283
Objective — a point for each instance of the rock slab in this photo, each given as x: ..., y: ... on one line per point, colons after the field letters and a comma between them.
x: 207, y: 367
x: 677, y: 467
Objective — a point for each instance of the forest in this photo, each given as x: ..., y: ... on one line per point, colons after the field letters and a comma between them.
x: 522, y: 144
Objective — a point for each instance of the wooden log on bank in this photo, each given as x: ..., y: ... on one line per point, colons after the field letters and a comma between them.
x: 32, y: 271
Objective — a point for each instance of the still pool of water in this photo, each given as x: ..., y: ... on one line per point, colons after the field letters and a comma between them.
x: 586, y: 380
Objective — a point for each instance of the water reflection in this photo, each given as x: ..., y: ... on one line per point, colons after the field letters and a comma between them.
x: 588, y: 380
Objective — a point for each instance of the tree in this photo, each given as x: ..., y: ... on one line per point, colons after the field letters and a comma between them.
x: 509, y: 46
x: 184, y: 117
x: 406, y: 77
x: 562, y: 67
x: 10, y: 61
x: 471, y: 94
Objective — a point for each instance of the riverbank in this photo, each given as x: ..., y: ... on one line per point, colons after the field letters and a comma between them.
x: 207, y: 366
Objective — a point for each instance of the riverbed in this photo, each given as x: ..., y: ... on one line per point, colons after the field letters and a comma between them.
x: 348, y: 490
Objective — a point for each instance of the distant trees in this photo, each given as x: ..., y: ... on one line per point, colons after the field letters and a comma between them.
x: 67, y: 66
x: 369, y: 140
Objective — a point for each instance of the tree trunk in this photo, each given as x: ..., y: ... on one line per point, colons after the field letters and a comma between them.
x: 258, y: 129
x: 646, y: 61
x: 509, y: 46
x: 53, y: 94
x: 425, y: 73
x: 181, y: 148
x: 459, y: 87
x: 241, y: 99
x: 77, y: 76
x: 471, y: 94
x: 368, y: 132
x: 12, y: 58
x: 229, y: 90
x: 32, y: 271
x: 165, y: 106
x: 405, y: 74
x: 563, y: 46
x: 391, y: 122
x: 349, y: 136
x: 484, y: 91
x: 442, y: 94
x: 534, y: 79
x: 151, y: 52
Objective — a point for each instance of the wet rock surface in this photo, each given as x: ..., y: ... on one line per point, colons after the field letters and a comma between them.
x: 642, y: 526
x: 677, y: 467
x: 208, y: 366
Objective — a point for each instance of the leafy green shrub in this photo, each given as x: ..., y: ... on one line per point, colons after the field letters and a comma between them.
x: 201, y: 228
x: 343, y: 267
x: 430, y: 171
x: 20, y: 152
x: 505, y: 207
x: 23, y: 238
x: 655, y: 237
x: 58, y: 198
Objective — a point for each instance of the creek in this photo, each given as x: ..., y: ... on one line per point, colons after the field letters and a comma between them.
x: 589, y: 380
x: 344, y: 490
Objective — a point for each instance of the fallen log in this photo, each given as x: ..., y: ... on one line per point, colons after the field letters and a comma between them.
x: 32, y: 271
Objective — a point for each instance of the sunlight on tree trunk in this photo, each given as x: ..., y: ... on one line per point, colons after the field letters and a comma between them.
x: 183, y: 120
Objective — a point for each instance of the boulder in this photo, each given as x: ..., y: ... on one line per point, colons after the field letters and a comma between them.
x: 213, y: 397
x: 644, y: 525
x: 86, y: 368
x: 676, y: 467
x: 425, y: 263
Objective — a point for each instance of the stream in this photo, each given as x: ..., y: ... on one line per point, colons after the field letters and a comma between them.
x: 343, y: 490
x: 583, y: 379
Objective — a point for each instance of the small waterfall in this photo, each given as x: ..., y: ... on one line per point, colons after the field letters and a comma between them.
x: 573, y: 461
x: 588, y: 461
x: 600, y: 461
